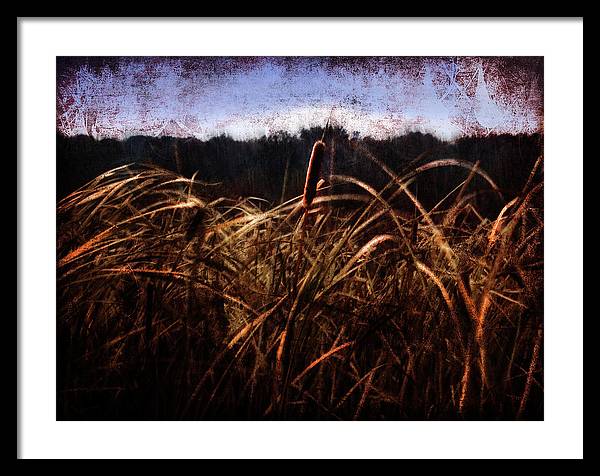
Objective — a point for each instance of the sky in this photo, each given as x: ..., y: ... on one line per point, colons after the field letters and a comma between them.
x: 248, y: 97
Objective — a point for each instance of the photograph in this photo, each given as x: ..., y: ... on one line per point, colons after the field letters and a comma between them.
x: 300, y: 238
x: 312, y: 238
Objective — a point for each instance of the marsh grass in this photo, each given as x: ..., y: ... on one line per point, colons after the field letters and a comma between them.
x: 174, y: 305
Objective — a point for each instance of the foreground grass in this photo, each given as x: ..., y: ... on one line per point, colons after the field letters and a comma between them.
x: 173, y: 305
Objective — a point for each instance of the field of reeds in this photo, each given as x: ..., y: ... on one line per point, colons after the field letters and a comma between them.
x: 351, y: 301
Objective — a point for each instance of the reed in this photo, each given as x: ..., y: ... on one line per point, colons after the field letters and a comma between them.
x: 176, y: 303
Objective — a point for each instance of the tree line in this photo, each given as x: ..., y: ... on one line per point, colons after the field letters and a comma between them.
x: 273, y: 167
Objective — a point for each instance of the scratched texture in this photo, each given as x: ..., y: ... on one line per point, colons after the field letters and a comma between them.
x: 246, y: 97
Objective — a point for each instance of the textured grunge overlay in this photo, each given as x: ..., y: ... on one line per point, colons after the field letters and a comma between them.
x: 249, y: 97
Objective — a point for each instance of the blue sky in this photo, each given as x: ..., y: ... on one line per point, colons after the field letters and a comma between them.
x: 251, y: 97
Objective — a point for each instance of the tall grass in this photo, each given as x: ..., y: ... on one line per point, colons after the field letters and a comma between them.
x: 335, y: 305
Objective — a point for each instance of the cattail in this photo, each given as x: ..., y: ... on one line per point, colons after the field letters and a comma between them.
x: 313, y: 172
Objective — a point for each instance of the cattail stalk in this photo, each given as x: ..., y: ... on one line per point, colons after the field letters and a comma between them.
x: 312, y: 175
x: 315, y: 164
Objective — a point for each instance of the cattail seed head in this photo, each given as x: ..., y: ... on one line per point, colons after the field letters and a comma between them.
x: 312, y: 175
